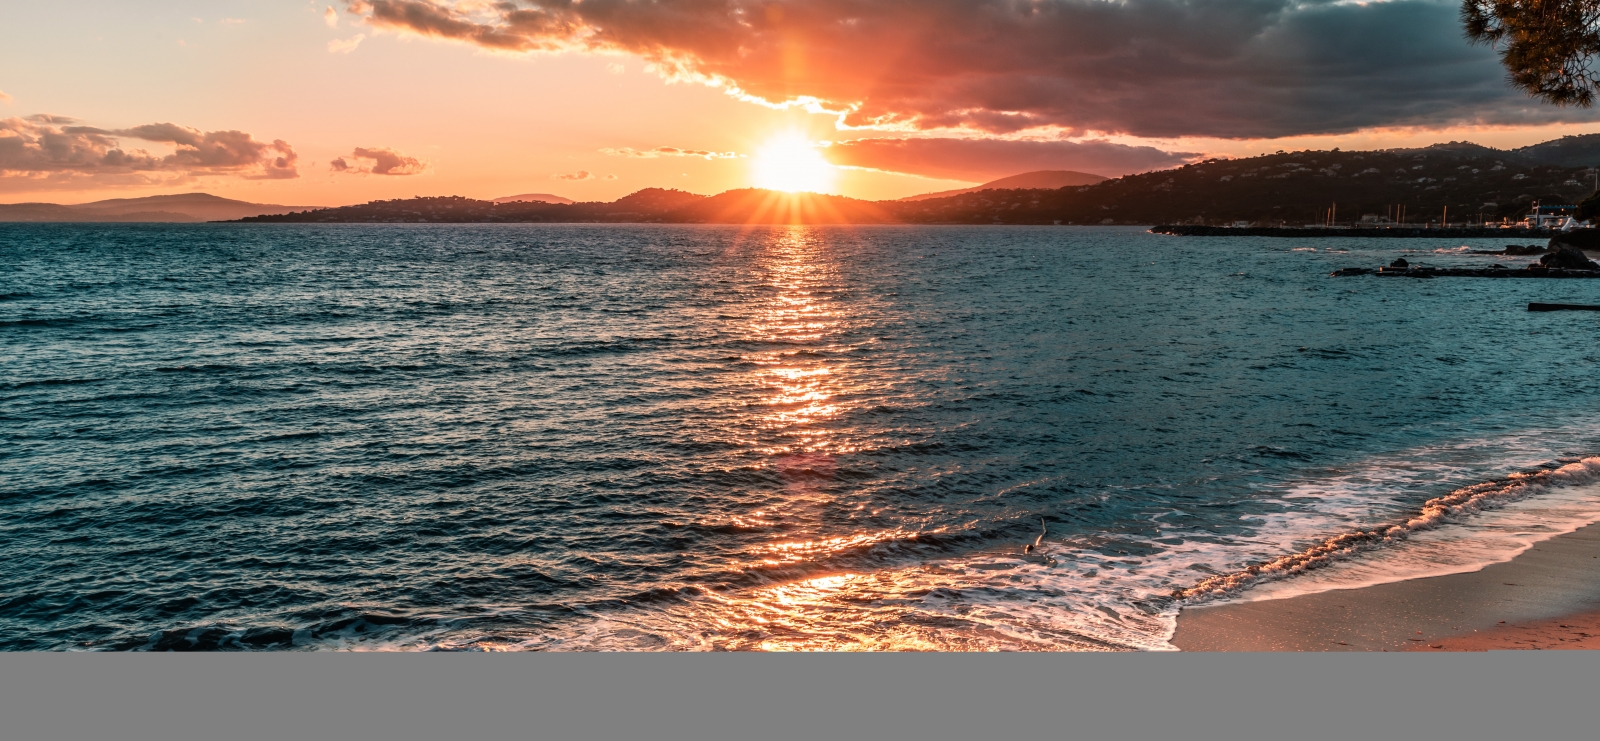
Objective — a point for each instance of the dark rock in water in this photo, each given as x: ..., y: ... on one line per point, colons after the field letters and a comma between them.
x: 1351, y: 271
x: 1399, y: 263
x: 1582, y: 239
x: 1562, y: 307
x: 1569, y: 258
x: 1532, y: 249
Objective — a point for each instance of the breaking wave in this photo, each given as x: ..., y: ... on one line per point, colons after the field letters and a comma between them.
x: 1452, y: 507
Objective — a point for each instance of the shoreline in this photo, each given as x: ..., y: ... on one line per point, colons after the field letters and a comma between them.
x: 1546, y: 597
x: 1396, y: 231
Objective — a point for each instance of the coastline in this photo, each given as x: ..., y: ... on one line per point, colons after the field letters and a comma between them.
x: 1546, y: 597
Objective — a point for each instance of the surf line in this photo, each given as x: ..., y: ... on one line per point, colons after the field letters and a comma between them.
x: 1467, y: 500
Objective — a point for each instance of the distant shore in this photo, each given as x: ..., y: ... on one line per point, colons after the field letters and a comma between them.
x: 1546, y: 597
x: 1374, y: 232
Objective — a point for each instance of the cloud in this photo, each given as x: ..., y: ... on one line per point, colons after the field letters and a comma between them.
x: 215, y: 151
x: 331, y: 17
x: 345, y: 46
x: 579, y: 175
x: 5, y: 98
x: 979, y: 160
x: 48, y: 147
x: 1154, y: 68
x: 378, y: 161
x: 658, y: 152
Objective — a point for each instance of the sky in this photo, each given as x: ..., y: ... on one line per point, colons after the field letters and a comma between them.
x: 329, y: 103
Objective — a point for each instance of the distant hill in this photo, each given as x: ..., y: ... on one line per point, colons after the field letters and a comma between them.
x: 1293, y: 188
x: 758, y: 206
x: 1047, y: 179
x: 1568, y: 151
x: 184, y: 207
x: 649, y: 204
x: 1460, y: 181
x: 534, y: 198
x: 652, y: 202
x: 746, y: 206
x: 41, y: 212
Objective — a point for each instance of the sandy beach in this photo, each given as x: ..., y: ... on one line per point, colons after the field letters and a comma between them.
x: 1548, y: 597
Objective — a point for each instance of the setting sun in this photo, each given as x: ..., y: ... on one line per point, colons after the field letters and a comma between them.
x: 791, y: 163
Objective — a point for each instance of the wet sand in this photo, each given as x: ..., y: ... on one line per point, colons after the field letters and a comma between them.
x: 1570, y: 633
x: 1522, y: 603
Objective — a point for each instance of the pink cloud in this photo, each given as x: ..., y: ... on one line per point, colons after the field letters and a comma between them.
x: 48, y: 146
x: 345, y: 46
x: 669, y: 152
x: 378, y: 161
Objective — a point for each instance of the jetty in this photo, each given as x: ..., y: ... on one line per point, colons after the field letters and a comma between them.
x: 1496, y: 271
x: 1536, y: 306
x: 1373, y: 232
x: 1561, y: 262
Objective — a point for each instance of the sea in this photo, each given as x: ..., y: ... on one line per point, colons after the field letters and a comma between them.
x: 662, y: 437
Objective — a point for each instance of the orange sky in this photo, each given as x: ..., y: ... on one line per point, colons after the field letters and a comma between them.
x: 478, y: 121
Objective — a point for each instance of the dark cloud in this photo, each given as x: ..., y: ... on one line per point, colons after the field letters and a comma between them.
x: 378, y: 161
x: 47, y: 146
x: 1158, y: 68
x: 979, y: 160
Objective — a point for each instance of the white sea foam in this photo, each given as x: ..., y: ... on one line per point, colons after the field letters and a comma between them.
x: 1342, y: 529
x: 1452, y: 508
x: 1466, y: 545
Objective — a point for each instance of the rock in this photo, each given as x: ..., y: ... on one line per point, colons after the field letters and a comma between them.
x: 1582, y: 239
x: 1399, y: 263
x: 1569, y: 258
x: 1532, y: 249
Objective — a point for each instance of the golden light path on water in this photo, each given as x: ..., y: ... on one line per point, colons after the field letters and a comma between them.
x: 822, y: 572
x: 802, y: 392
x: 895, y: 607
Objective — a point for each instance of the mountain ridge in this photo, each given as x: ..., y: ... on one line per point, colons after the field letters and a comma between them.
x: 172, y: 208
x: 1450, y: 181
x: 1038, y: 179
x: 534, y: 198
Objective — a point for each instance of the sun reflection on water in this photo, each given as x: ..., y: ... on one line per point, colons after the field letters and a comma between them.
x: 799, y: 325
x: 808, y: 390
x: 813, y: 561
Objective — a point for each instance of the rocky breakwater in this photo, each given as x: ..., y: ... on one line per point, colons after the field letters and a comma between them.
x: 1363, y: 232
x: 1516, y: 250
x: 1587, y: 240
x: 1562, y: 262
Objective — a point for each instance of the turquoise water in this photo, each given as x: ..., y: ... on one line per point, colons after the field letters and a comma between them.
x: 679, y: 437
